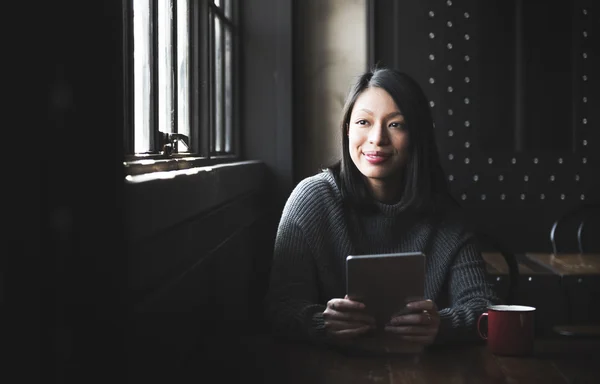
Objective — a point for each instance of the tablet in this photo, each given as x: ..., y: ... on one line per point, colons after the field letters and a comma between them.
x: 385, y: 283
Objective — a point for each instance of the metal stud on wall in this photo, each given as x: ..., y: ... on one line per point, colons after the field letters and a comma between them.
x: 453, y: 58
x: 453, y: 38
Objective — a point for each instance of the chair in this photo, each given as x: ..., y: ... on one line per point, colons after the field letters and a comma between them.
x: 580, y: 226
x: 487, y: 241
x: 588, y: 232
x: 567, y: 232
x: 518, y: 281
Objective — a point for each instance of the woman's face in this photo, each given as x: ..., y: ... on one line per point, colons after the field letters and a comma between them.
x: 378, y: 141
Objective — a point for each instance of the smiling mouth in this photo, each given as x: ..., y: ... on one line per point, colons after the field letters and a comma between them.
x: 376, y: 157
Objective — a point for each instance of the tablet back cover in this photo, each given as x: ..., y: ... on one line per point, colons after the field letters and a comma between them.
x: 385, y: 282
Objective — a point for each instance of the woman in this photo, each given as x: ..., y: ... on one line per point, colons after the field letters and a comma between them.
x: 387, y: 194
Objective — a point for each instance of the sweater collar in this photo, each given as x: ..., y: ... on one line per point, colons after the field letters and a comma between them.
x: 388, y: 210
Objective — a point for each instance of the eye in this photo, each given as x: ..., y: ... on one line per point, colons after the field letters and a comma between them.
x: 397, y: 125
x: 362, y: 122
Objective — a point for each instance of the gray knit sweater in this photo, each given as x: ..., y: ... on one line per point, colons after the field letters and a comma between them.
x: 316, y: 233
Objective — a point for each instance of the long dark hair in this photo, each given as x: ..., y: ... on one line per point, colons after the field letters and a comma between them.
x: 424, y: 183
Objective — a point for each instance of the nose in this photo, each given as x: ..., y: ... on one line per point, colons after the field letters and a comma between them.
x: 378, y: 134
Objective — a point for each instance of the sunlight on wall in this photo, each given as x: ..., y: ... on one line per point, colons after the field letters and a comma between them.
x: 333, y: 53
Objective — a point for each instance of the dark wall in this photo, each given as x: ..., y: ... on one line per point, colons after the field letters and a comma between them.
x: 516, y: 104
x: 199, y: 249
x: 70, y: 242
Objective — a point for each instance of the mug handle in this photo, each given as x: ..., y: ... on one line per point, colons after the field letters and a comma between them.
x: 484, y: 336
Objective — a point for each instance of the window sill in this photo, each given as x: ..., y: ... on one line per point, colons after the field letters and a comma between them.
x: 159, y: 200
x: 158, y: 163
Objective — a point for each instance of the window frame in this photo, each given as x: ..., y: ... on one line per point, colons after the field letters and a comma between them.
x: 202, y: 83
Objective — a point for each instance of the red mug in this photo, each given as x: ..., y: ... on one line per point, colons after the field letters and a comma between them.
x: 510, y: 329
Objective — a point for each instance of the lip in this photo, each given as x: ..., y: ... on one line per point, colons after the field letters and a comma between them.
x: 376, y: 157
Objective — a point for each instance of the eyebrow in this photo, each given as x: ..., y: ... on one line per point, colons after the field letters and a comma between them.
x: 393, y: 114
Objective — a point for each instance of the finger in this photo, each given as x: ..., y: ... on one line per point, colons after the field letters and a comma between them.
x: 425, y: 305
x: 339, y: 325
x: 417, y: 339
x: 410, y: 330
x: 348, y: 333
x: 354, y: 317
x: 345, y: 305
x: 413, y: 319
x: 355, y: 300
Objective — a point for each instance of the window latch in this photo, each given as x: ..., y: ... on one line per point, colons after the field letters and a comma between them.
x: 167, y: 142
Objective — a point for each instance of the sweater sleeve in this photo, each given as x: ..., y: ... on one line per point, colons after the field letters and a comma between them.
x: 470, y: 294
x: 292, y: 301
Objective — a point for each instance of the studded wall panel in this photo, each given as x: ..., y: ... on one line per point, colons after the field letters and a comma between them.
x: 514, y: 91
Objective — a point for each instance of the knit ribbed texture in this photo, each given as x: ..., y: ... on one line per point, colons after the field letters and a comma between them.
x: 316, y: 234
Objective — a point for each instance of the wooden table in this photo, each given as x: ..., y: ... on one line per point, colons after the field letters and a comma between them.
x: 536, y: 286
x: 553, y: 361
x: 568, y: 264
x: 580, y: 281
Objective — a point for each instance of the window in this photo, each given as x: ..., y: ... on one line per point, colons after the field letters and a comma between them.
x: 182, y: 77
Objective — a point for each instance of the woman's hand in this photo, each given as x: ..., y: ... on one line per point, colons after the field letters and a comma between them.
x: 420, y: 326
x: 347, y: 319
